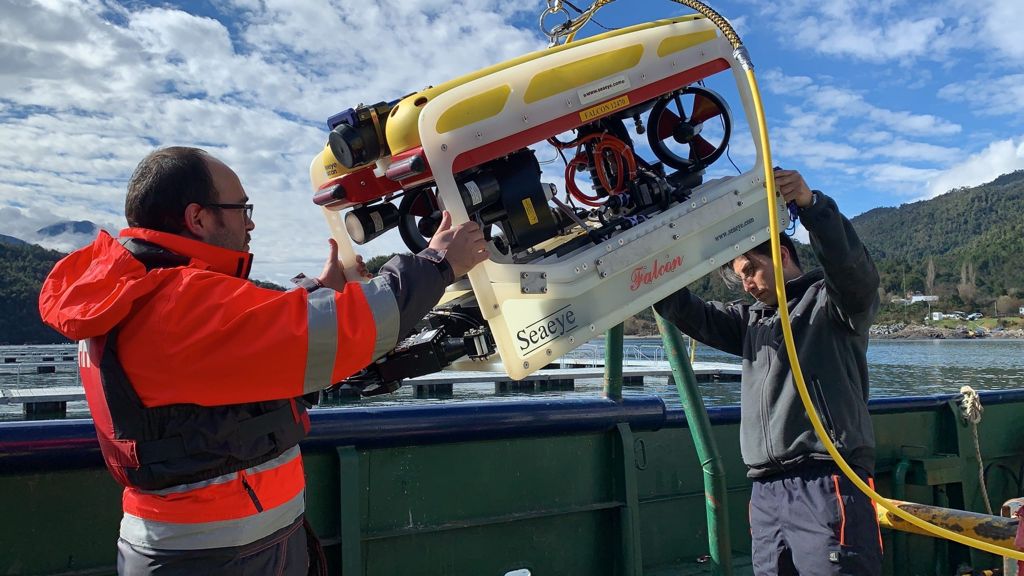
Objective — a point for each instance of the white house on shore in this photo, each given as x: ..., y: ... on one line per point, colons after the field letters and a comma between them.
x: 914, y: 298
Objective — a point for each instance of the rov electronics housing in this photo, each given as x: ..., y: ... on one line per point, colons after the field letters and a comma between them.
x: 556, y: 277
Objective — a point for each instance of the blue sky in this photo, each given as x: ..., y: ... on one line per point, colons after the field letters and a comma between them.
x: 878, y: 103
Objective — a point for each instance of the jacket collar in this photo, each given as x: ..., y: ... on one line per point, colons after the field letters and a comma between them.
x: 203, y: 255
x: 795, y: 288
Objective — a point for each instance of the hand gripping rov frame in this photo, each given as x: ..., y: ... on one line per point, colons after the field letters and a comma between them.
x: 559, y: 274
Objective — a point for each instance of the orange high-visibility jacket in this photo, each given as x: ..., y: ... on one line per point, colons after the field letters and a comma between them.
x: 179, y: 360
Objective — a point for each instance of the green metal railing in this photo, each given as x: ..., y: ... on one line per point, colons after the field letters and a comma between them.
x: 715, y: 491
x: 613, y: 363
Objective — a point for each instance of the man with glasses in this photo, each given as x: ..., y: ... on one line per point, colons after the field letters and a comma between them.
x: 805, y: 516
x: 195, y: 376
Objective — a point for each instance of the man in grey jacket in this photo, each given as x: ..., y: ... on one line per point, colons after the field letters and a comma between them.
x: 805, y: 516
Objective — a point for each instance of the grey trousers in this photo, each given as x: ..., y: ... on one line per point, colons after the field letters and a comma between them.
x: 283, y: 553
x: 812, y: 521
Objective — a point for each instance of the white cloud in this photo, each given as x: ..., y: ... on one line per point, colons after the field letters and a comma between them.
x: 987, y: 95
x: 24, y: 224
x: 900, y: 174
x: 912, y: 124
x: 793, y: 146
x: 776, y: 82
x: 998, y: 158
x: 88, y: 88
x: 846, y: 35
x: 900, y: 31
x: 863, y: 136
x: 824, y: 103
x: 808, y: 123
x: 901, y: 149
x: 817, y: 134
x: 849, y: 104
x: 741, y: 24
x: 1003, y: 20
x: 890, y: 120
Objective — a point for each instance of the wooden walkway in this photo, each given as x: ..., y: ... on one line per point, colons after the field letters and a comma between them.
x: 34, y: 395
x: 52, y: 402
x: 654, y: 369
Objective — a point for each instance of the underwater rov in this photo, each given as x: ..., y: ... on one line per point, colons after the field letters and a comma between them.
x: 620, y: 229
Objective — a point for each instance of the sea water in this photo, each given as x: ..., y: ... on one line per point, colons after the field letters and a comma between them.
x: 897, y: 368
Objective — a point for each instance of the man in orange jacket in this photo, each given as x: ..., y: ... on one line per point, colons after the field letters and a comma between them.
x: 195, y: 376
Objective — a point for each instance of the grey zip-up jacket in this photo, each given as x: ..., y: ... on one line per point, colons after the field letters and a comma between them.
x: 831, y: 310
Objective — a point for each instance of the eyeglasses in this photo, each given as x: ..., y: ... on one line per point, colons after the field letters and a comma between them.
x: 247, y: 207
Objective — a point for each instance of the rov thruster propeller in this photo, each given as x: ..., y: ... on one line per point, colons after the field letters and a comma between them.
x: 679, y: 130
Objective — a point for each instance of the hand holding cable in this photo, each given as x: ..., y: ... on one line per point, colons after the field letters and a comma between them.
x: 793, y: 188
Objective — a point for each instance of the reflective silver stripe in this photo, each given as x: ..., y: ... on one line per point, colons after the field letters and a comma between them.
x: 385, y: 314
x: 222, y: 534
x: 322, y: 328
x: 285, y: 457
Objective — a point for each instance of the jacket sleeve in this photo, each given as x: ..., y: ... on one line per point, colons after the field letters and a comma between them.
x: 219, y: 340
x: 415, y: 301
x: 716, y: 324
x: 851, y: 280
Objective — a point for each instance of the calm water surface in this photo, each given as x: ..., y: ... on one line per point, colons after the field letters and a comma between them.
x: 898, y: 368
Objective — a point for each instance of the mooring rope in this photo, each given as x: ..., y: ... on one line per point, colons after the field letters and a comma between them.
x: 971, y: 409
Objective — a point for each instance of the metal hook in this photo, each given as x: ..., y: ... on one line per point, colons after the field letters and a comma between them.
x: 554, y: 32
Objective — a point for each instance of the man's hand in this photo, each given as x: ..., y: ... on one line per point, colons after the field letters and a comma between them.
x: 463, y: 245
x: 792, y: 187
x: 333, y: 274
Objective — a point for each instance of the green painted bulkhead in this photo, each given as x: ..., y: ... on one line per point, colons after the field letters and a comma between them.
x: 555, y: 486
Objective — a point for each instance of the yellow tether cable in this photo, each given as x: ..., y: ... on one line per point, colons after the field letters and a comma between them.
x: 787, y: 331
x: 584, y: 18
x: 798, y: 377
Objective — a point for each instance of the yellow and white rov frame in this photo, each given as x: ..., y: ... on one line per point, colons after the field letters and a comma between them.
x: 546, y: 301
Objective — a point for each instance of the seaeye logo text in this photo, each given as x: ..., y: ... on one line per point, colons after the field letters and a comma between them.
x: 554, y: 325
x: 642, y: 275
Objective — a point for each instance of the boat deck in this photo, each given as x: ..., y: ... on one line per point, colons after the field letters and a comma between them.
x: 555, y: 485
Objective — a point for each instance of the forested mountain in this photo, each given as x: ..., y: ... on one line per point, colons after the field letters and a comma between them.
x: 23, y: 267
x: 966, y: 246
x: 973, y: 238
x: 22, y: 270
x: 5, y: 239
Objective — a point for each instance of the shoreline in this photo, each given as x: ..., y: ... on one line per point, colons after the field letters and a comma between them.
x: 878, y: 332
x: 902, y: 331
x: 912, y: 332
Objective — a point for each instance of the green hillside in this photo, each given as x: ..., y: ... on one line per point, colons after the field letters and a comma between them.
x: 23, y: 267
x: 972, y: 237
x: 22, y: 270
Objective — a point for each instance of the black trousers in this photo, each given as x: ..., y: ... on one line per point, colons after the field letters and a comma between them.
x: 813, y: 521
x: 283, y: 553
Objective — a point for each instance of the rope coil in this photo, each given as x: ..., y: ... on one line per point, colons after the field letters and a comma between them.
x: 970, y: 405
x: 970, y: 411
